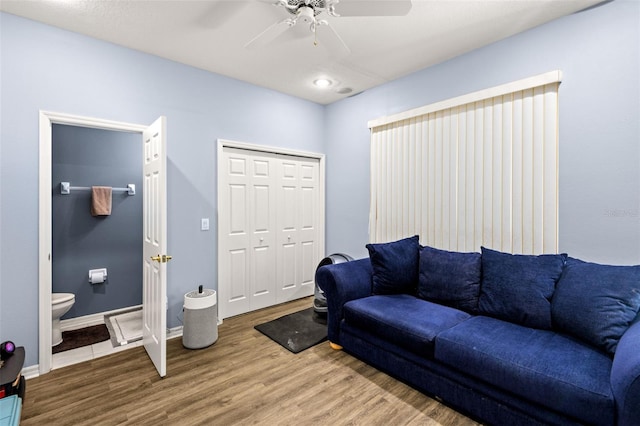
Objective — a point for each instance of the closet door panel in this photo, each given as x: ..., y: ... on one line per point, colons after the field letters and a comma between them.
x: 308, y: 265
x: 288, y: 212
x: 262, y: 215
x: 297, y: 227
x: 309, y: 221
x: 286, y: 262
x: 234, y: 234
x: 237, y: 277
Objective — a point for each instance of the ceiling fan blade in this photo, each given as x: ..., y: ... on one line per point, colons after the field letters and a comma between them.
x: 373, y: 7
x: 331, y: 40
x: 268, y: 35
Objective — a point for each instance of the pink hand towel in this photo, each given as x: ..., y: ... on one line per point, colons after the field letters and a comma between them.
x: 100, y: 200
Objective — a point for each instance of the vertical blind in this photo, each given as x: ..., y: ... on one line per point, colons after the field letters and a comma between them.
x: 477, y: 170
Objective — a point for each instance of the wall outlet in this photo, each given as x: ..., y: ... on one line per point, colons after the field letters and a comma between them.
x: 204, y: 224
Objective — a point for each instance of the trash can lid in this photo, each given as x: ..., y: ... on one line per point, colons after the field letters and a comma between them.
x: 196, y: 300
x: 205, y: 293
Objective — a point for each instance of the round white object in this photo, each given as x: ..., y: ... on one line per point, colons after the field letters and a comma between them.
x: 196, y: 300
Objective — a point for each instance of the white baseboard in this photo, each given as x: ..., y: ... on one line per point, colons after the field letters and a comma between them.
x: 31, y: 371
x: 174, y: 332
x: 89, y: 320
x: 95, y: 319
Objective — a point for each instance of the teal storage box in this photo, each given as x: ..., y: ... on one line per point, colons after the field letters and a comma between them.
x: 10, y: 409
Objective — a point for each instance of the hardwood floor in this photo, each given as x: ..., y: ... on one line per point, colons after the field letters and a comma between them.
x: 244, y: 378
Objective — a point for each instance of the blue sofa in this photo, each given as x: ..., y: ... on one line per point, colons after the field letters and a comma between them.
x: 505, y: 339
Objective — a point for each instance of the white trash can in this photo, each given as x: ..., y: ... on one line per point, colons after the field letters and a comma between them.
x: 200, y: 325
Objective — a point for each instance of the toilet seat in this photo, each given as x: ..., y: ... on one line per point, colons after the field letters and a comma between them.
x: 61, y: 297
x: 61, y: 303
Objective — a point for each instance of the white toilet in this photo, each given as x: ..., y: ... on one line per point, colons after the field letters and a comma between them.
x: 60, y: 305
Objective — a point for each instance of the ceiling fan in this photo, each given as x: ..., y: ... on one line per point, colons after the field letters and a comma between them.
x: 309, y: 12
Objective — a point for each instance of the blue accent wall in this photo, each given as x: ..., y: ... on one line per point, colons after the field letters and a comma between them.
x: 44, y: 68
x: 80, y: 241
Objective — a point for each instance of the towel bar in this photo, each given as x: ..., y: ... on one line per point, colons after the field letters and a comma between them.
x: 66, y: 188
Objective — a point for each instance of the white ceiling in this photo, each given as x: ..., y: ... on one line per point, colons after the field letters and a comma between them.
x: 211, y: 35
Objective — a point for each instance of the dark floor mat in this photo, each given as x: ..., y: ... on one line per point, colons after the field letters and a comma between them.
x: 298, y: 331
x: 73, y: 339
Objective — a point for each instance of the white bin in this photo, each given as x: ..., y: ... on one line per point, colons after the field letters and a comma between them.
x: 200, y: 326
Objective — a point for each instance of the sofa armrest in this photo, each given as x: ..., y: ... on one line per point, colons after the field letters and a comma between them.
x: 342, y: 282
x: 625, y: 377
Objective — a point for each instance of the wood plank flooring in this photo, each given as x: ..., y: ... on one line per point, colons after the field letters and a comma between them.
x: 244, y: 378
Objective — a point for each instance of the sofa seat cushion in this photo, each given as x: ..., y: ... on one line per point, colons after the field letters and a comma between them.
x: 403, y: 320
x: 540, y: 365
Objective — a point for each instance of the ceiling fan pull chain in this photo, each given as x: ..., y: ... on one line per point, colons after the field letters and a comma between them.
x: 315, y: 36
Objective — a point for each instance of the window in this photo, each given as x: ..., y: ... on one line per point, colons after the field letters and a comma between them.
x: 480, y: 169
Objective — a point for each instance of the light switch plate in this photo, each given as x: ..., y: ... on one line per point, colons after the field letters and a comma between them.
x: 204, y: 224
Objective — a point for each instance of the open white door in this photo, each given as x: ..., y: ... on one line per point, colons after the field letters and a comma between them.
x: 154, y: 292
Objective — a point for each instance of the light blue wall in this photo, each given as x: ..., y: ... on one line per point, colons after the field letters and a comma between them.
x: 598, y: 52
x: 80, y: 241
x: 44, y: 68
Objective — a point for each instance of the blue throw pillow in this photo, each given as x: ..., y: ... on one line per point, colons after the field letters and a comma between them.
x: 518, y: 288
x: 596, y: 303
x: 450, y: 278
x: 395, y: 266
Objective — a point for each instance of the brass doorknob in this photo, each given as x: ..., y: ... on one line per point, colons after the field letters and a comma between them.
x: 161, y: 258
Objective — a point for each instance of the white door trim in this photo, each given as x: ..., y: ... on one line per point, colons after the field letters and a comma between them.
x: 225, y: 143
x: 46, y: 119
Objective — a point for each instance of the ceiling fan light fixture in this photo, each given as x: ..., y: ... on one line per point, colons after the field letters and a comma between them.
x: 306, y: 14
x: 322, y: 82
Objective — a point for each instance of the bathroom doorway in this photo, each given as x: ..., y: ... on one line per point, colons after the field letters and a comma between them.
x: 96, y: 259
x: 152, y: 238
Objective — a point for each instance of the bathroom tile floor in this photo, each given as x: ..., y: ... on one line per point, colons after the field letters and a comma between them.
x: 97, y: 350
x: 86, y: 353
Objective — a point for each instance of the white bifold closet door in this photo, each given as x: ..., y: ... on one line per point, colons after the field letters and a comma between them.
x: 269, y: 229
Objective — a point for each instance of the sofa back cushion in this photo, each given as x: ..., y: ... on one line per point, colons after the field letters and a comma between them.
x: 450, y: 278
x: 596, y: 303
x: 395, y: 266
x: 518, y: 288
